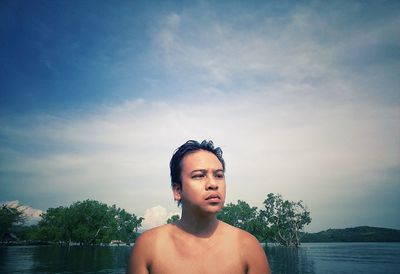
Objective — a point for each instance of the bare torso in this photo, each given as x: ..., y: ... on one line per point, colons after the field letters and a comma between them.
x: 170, y: 249
x: 176, y: 251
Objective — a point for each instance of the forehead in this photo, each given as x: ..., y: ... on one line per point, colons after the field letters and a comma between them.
x: 200, y: 159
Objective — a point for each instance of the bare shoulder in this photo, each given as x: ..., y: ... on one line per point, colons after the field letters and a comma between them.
x: 244, y: 239
x: 144, y: 247
x: 150, y: 238
x: 251, y: 251
x: 152, y: 234
x: 248, y: 240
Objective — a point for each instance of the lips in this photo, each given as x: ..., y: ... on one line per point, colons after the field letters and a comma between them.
x: 213, y: 197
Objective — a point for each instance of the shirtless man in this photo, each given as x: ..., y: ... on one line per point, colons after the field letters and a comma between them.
x: 198, y: 242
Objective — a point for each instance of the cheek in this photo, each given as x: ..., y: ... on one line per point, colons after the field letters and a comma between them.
x: 223, y: 188
x: 192, y: 189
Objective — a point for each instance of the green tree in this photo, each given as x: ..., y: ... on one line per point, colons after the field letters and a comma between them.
x: 285, y: 219
x: 88, y: 222
x: 9, y: 217
x: 243, y: 216
x: 27, y: 233
x: 56, y: 225
x: 173, y: 219
x: 123, y: 225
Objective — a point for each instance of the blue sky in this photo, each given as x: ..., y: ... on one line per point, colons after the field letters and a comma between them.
x: 303, y: 97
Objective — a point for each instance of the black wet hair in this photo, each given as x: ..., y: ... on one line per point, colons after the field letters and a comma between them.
x: 191, y: 146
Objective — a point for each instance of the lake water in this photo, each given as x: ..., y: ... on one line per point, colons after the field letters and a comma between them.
x: 309, y: 258
x: 336, y: 258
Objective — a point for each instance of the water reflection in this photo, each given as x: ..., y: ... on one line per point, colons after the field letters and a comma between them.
x: 56, y: 259
x: 289, y: 260
x: 327, y: 258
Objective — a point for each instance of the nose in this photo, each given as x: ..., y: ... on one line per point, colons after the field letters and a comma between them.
x: 211, y: 183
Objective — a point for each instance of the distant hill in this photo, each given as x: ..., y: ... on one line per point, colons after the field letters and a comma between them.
x: 355, y: 234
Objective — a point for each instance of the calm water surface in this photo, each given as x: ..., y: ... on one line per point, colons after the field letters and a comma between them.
x: 309, y: 258
x: 336, y: 258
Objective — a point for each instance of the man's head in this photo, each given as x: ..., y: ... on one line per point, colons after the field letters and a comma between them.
x: 189, y: 147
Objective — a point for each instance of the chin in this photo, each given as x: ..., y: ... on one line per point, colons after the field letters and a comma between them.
x: 215, y: 209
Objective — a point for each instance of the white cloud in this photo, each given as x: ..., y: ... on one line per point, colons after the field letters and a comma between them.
x: 156, y: 216
x: 32, y: 215
x: 293, y: 147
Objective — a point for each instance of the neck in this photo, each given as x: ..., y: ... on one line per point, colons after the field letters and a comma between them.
x: 198, y: 225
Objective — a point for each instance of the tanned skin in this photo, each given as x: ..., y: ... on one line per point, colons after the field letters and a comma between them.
x: 198, y: 242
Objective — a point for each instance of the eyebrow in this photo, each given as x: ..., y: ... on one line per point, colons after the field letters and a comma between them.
x: 198, y: 170
x: 205, y: 170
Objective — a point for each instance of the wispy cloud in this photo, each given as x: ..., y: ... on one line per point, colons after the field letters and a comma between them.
x: 304, y: 101
x: 120, y: 154
x: 317, y: 48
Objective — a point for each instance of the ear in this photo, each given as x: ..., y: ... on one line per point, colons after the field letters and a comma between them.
x: 177, y: 190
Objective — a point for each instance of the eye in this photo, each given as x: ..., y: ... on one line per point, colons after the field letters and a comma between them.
x: 219, y: 175
x: 198, y: 176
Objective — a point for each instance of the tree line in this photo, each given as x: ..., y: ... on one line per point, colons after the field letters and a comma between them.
x: 92, y: 222
x: 354, y: 234
x: 86, y: 222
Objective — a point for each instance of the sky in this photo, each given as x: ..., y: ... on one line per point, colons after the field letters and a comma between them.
x: 302, y: 96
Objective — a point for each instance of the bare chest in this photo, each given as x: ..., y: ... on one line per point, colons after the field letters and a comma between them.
x: 192, y: 257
